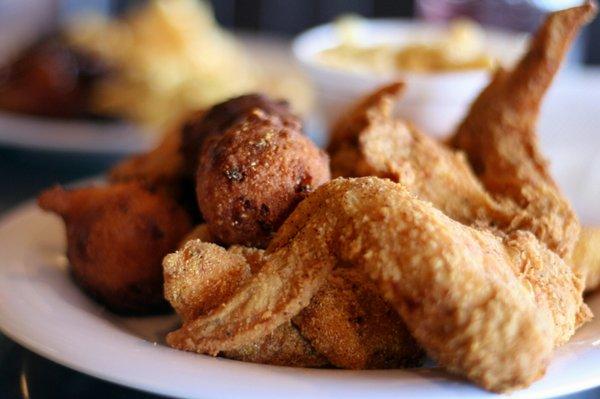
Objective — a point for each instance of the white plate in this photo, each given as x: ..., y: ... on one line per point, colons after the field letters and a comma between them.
x: 42, y: 309
x: 75, y: 136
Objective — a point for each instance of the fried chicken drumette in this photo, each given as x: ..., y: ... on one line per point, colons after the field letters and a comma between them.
x: 499, y: 134
x: 251, y: 177
x: 117, y: 237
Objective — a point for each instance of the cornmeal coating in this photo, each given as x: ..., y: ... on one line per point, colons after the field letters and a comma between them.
x: 489, y: 307
x: 354, y: 327
x: 117, y: 237
x: 221, y: 117
x: 499, y: 134
x: 250, y: 178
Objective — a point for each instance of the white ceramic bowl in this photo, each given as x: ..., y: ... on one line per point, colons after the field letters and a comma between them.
x: 434, y: 101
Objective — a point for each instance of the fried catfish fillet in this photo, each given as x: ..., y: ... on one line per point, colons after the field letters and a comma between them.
x: 354, y: 327
x: 117, y: 237
x: 201, y: 276
x: 487, y: 307
x: 586, y: 257
x: 499, y: 134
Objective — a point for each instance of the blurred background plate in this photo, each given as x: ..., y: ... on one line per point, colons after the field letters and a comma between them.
x: 42, y: 309
x: 103, y: 137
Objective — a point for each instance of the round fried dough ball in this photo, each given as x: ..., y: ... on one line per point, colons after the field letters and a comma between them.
x: 117, y: 237
x: 223, y: 116
x: 250, y: 178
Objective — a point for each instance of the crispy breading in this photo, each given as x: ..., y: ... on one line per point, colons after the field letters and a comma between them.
x: 201, y: 276
x: 252, y: 176
x: 349, y: 322
x: 586, y: 257
x: 117, y: 237
x: 388, y: 147
x: 490, y: 309
x: 221, y: 117
x: 499, y: 136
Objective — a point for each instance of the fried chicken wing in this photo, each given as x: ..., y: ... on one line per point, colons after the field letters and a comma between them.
x: 498, y: 135
x: 374, y: 143
x: 251, y: 177
x: 201, y: 276
x: 285, y: 346
x: 161, y: 169
x: 51, y: 78
x: 489, y: 308
x: 116, y: 239
x: 347, y: 320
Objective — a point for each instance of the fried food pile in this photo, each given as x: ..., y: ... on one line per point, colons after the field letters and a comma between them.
x: 465, y: 251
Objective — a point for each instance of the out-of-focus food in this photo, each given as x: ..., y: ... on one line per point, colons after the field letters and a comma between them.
x: 117, y: 237
x: 171, y: 58
x: 488, y: 307
x: 354, y: 327
x: 161, y: 169
x: 251, y: 177
x: 220, y: 117
x: 586, y: 257
x: 498, y: 135
x: 52, y: 79
x: 462, y: 48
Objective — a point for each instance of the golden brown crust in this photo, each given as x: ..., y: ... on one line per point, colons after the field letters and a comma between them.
x: 201, y: 276
x: 283, y: 347
x: 116, y: 239
x: 349, y: 323
x: 250, y: 178
x: 391, y: 148
x: 498, y: 134
x: 479, y: 306
x: 221, y: 117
